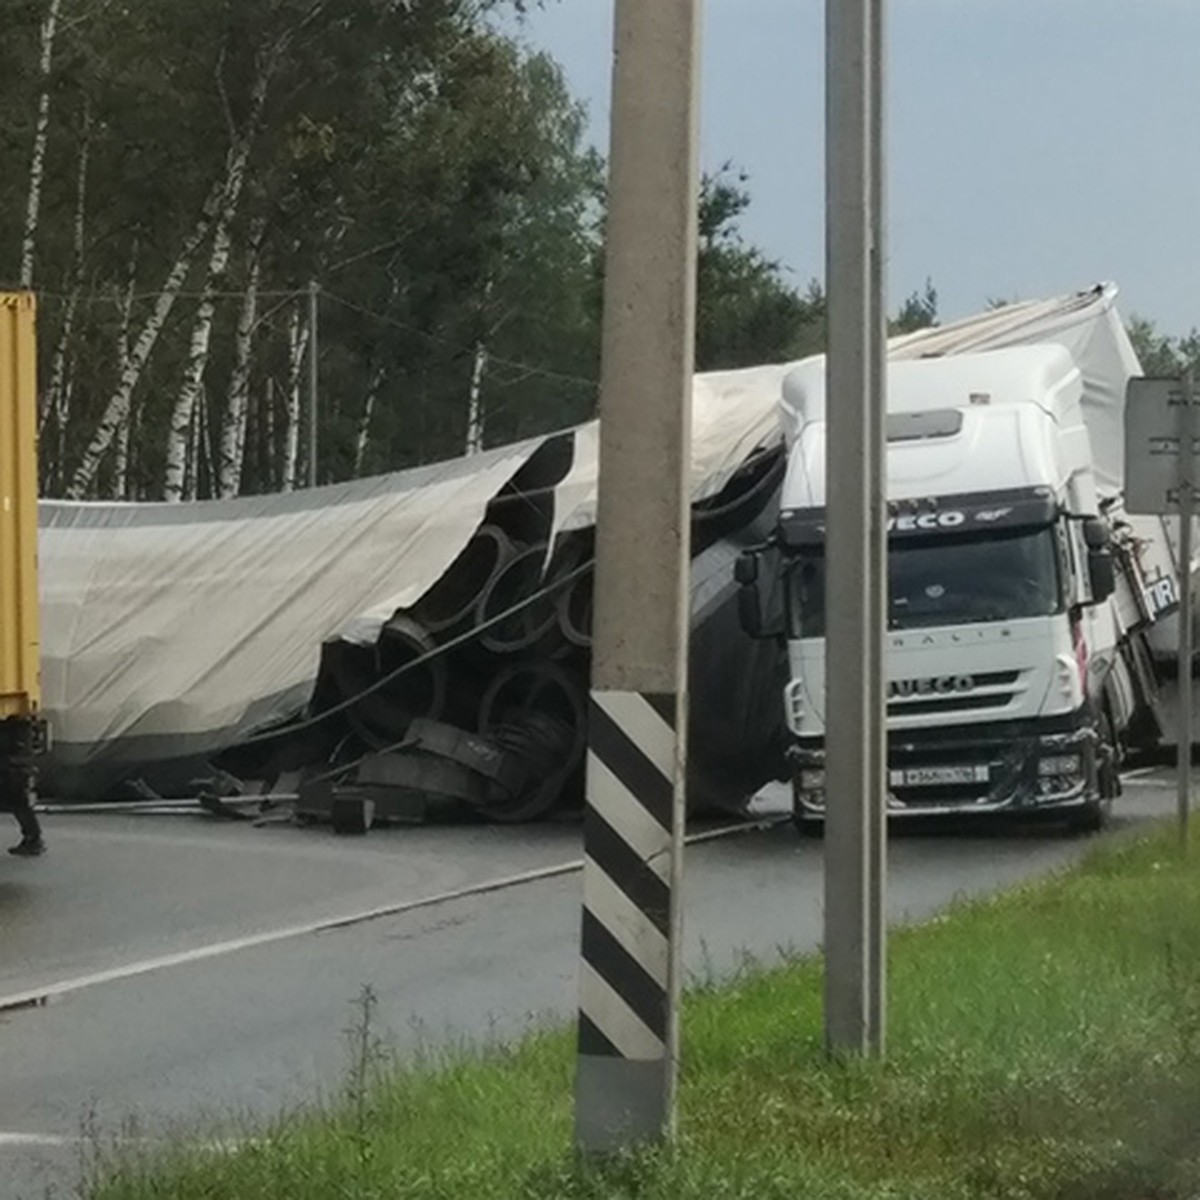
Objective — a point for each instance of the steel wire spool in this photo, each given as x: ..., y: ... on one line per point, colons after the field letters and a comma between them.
x: 538, y: 713
x: 575, y: 605
x: 382, y: 716
x: 533, y: 628
x: 449, y: 605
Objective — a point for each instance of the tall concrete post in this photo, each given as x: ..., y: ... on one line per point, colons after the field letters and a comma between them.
x: 877, y: 333
x: 855, y: 775
x: 633, y: 831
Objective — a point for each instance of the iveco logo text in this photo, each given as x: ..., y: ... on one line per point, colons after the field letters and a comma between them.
x: 941, y: 520
x: 939, y: 685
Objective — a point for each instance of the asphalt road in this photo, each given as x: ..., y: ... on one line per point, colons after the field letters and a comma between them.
x: 166, y: 972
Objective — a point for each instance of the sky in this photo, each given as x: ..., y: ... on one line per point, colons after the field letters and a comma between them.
x: 1034, y: 146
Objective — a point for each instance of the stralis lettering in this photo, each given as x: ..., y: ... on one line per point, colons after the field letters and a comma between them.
x: 938, y: 685
x: 909, y: 522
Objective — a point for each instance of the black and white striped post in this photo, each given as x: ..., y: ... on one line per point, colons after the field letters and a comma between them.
x: 633, y: 831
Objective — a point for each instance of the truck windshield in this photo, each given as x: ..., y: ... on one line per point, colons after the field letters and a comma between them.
x: 945, y: 581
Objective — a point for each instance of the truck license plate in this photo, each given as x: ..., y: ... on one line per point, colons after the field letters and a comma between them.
x: 925, y: 776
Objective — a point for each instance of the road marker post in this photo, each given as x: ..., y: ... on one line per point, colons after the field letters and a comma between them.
x: 636, y: 763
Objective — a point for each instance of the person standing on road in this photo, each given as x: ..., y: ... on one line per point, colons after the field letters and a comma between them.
x: 16, y: 797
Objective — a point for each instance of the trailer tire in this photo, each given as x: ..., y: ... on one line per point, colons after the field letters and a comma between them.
x: 1092, y: 817
x: 806, y: 827
x: 1110, y: 756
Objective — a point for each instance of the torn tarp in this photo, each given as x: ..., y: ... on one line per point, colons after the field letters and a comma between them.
x: 172, y: 631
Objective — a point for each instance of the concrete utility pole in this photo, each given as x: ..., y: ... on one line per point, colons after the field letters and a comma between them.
x: 633, y: 831
x: 314, y: 292
x: 877, y: 293
x: 855, y: 776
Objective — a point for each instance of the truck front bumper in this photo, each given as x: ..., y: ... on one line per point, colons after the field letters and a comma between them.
x: 1046, y: 765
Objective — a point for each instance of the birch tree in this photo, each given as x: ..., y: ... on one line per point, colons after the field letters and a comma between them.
x: 397, y: 156
x: 117, y: 408
x: 184, y: 415
x: 120, y: 483
x: 41, y: 133
x: 298, y: 333
x: 54, y: 400
x: 475, y: 402
x: 189, y: 393
x: 233, y: 426
x: 363, y: 435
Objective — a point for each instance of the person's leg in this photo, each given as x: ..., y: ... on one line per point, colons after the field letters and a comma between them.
x: 19, y: 801
x: 31, y: 832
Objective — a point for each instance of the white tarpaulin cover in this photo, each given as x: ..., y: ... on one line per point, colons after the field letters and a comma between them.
x: 204, y: 621
x: 734, y: 413
x: 1089, y: 326
x: 181, y: 619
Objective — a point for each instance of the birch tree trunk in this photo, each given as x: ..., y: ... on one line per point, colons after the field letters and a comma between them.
x: 233, y: 428
x: 193, y: 377
x: 117, y: 408
x: 268, y: 462
x: 297, y: 345
x: 364, y: 422
x: 120, y: 484
x: 37, y: 163
x: 183, y: 416
x: 197, y: 446
x: 54, y: 404
x: 475, y: 404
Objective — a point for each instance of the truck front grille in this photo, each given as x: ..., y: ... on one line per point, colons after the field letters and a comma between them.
x: 992, y: 690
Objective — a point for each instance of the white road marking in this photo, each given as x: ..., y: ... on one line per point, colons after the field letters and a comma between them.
x: 55, y: 1141
x: 22, y: 1141
x: 1138, y: 772
x: 40, y: 996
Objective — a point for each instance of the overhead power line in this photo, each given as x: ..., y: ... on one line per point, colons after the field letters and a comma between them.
x: 528, y: 368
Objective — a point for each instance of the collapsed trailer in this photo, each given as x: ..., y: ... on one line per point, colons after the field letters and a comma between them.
x: 416, y: 637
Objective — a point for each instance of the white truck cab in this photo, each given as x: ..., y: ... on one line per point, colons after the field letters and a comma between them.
x: 1000, y: 627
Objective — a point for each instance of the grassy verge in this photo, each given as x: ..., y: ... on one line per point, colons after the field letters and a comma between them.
x: 1044, y: 1044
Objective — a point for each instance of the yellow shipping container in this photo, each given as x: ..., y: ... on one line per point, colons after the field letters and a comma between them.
x: 20, y: 677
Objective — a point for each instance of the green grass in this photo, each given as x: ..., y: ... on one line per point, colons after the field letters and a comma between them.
x: 1044, y: 1045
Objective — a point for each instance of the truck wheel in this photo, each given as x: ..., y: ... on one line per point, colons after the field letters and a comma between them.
x: 1092, y: 818
x: 1110, y: 758
x: 1094, y: 815
x: 806, y: 827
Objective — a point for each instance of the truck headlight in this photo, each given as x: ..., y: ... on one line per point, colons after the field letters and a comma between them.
x: 1060, y: 764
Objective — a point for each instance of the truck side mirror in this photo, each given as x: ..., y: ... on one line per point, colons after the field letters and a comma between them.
x: 753, y: 597
x: 1102, y: 574
x: 745, y: 569
x: 1096, y: 534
